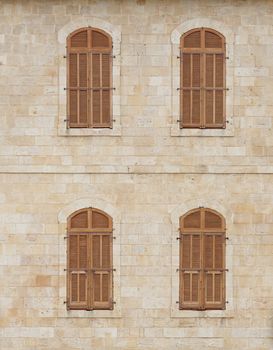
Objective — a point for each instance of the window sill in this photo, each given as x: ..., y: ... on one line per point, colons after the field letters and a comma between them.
x: 63, y: 131
x: 227, y: 132
x: 175, y: 313
x: 116, y: 313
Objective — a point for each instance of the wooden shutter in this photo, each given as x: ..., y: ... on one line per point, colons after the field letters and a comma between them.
x: 89, y: 79
x: 77, y: 79
x: 78, y: 271
x: 214, y: 273
x: 90, y: 270
x: 202, y: 260
x: 190, y: 271
x: 102, y: 271
x: 202, y: 80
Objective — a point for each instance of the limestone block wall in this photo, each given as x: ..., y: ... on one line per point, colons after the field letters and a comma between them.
x: 144, y: 172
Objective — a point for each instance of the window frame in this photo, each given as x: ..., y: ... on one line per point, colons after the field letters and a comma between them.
x: 221, y: 27
x: 115, y: 33
x: 175, y: 215
x: 202, y: 231
x: 63, y: 214
x: 89, y: 51
x: 203, y: 52
x: 89, y: 232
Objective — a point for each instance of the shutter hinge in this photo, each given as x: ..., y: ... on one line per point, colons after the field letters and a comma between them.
x: 178, y: 120
x: 227, y: 89
x: 227, y: 58
x: 65, y: 269
x: 227, y: 302
x: 178, y: 89
x: 178, y: 57
x: 177, y: 238
x: 200, y: 207
x: 114, y: 237
x: 65, y: 237
x: 227, y: 238
x: 113, y: 56
x: 177, y: 302
x: 65, y: 89
x: 64, y: 56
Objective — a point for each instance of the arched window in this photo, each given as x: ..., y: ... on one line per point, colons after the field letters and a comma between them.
x: 202, y: 260
x: 89, y: 260
x: 202, y: 79
x: 89, y: 79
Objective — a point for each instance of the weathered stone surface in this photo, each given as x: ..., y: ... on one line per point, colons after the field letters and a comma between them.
x: 145, y: 173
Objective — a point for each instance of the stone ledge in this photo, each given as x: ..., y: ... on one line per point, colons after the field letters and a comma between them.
x: 116, y: 131
x: 175, y: 313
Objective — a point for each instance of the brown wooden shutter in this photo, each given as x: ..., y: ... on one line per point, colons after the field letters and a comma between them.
x: 202, y: 79
x: 78, y: 80
x: 214, y: 274
x: 102, y: 271
x: 90, y: 270
x: 202, y: 260
x: 78, y: 271
x: 89, y: 79
x: 190, y: 271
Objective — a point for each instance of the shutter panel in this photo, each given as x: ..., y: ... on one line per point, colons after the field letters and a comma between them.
x: 101, y: 80
x: 99, y: 40
x: 212, y: 40
x: 191, y: 90
x: 190, y: 271
x: 96, y: 95
x: 105, y: 81
x: 78, y: 90
x: 212, y: 220
x: 219, y: 84
x: 214, y: 274
x: 77, y: 271
x: 192, y: 220
x: 214, y: 90
x: 102, y: 271
x: 79, y: 39
x: 193, y: 40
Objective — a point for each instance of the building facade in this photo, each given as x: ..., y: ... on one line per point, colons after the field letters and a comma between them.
x: 144, y: 169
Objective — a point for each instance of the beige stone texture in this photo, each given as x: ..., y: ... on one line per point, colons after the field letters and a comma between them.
x: 145, y: 173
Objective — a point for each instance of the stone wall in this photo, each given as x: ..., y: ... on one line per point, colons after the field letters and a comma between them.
x: 144, y: 173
